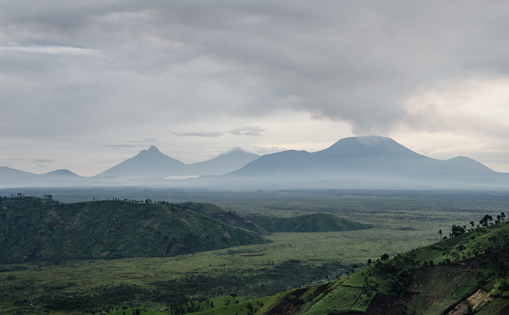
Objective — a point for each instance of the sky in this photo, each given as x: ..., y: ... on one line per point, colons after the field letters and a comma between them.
x: 85, y: 85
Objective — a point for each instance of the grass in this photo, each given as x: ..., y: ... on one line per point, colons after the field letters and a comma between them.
x: 439, y: 307
x: 340, y: 300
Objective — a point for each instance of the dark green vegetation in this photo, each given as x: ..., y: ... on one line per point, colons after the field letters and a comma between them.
x: 44, y: 285
x: 34, y: 229
x: 218, y: 213
x: 465, y: 274
x: 319, y: 222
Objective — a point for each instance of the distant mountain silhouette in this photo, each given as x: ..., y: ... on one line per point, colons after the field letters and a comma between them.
x: 147, y: 163
x: 14, y: 178
x: 62, y: 173
x: 351, y: 163
x: 222, y: 164
x: 153, y: 163
x: 357, y: 162
x: 10, y: 177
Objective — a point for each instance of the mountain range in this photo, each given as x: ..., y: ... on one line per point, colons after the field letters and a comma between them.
x: 153, y: 163
x: 355, y: 162
x: 365, y: 162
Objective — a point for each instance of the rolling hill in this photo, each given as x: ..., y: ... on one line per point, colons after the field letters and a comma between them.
x: 219, y: 214
x: 318, y: 222
x: 44, y: 229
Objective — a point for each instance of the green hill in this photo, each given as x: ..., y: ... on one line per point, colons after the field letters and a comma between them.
x: 466, y: 273
x: 219, y: 214
x: 319, y: 222
x: 43, y: 229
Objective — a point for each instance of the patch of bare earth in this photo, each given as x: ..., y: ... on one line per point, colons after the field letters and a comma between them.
x: 288, y: 305
x: 473, y: 301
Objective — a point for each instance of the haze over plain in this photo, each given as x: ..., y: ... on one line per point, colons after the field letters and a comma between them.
x: 88, y: 85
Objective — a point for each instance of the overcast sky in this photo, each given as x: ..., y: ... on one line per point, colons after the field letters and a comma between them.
x: 87, y: 84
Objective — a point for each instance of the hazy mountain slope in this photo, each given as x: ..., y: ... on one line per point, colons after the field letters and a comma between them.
x: 319, y: 222
x: 363, y: 162
x: 10, y: 175
x: 147, y: 163
x: 33, y: 228
x: 281, y: 163
x: 14, y: 178
x: 464, y: 274
x: 350, y: 163
x: 222, y: 164
x: 62, y: 173
x: 153, y: 163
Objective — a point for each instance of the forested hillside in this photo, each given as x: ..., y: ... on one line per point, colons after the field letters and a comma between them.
x: 44, y: 229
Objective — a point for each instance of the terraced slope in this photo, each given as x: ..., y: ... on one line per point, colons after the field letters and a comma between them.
x: 466, y: 273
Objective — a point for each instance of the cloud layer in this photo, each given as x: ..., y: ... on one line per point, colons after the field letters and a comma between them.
x: 110, y: 72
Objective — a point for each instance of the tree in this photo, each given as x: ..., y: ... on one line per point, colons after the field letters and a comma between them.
x: 369, y: 262
x: 384, y: 257
x: 457, y: 230
x: 440, y: 233
x: 486, y: 220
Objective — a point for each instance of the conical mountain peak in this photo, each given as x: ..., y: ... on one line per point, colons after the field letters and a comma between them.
x: 369, y: 146
x: 153, y: 149
x: 147, y: 163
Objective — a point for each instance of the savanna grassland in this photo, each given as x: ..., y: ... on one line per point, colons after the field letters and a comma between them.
x: 400, y: 221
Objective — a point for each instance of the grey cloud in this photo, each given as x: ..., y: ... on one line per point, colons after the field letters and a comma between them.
x: 344, y: 61
x: 266, y: 150
x: 123, y: 145
x: 144, y: 141
x: 199, y: 134
x: 247, y: 131
x: 41, y: 165
x: 43, y: 161
x: 108, y: 162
